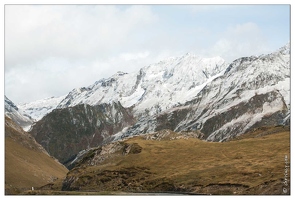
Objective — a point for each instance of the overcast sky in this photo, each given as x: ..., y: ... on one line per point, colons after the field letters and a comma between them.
x: 51, y: 49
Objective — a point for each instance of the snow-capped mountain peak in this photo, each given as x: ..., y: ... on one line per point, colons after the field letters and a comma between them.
x: 153, y: 88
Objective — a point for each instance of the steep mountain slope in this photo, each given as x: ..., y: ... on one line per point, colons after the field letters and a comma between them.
x: 65, y: 132
x: 27, y: 164
x: 253, y: 92
x: 17, y: 115
x: 172, y: 162
x: 40, y: 108
x: 154, y: 88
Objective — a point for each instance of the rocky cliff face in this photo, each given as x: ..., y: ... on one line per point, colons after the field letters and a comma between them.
x: 65, y: 132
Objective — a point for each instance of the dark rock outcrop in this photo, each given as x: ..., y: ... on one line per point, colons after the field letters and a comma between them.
x: 65, y: 132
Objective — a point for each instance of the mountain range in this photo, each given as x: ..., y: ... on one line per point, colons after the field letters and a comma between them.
x: 152, y: 89
x: 187, y: 93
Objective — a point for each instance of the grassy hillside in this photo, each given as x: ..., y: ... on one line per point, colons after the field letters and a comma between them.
x: 27, y: 164
x: 253, y: 165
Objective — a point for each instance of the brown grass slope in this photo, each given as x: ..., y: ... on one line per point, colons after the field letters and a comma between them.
x: 27, y: 164
x: 253, y: 165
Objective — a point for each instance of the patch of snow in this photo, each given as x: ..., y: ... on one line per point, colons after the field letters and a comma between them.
x: 27, y: 128
x: 132, y: 99
x: 118, y: 135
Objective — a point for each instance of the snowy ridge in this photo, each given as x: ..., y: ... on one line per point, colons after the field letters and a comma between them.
x: 154, y: 88
x: 38, y: 109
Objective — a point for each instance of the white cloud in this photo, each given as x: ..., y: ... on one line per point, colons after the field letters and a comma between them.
x: 241, y: 40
